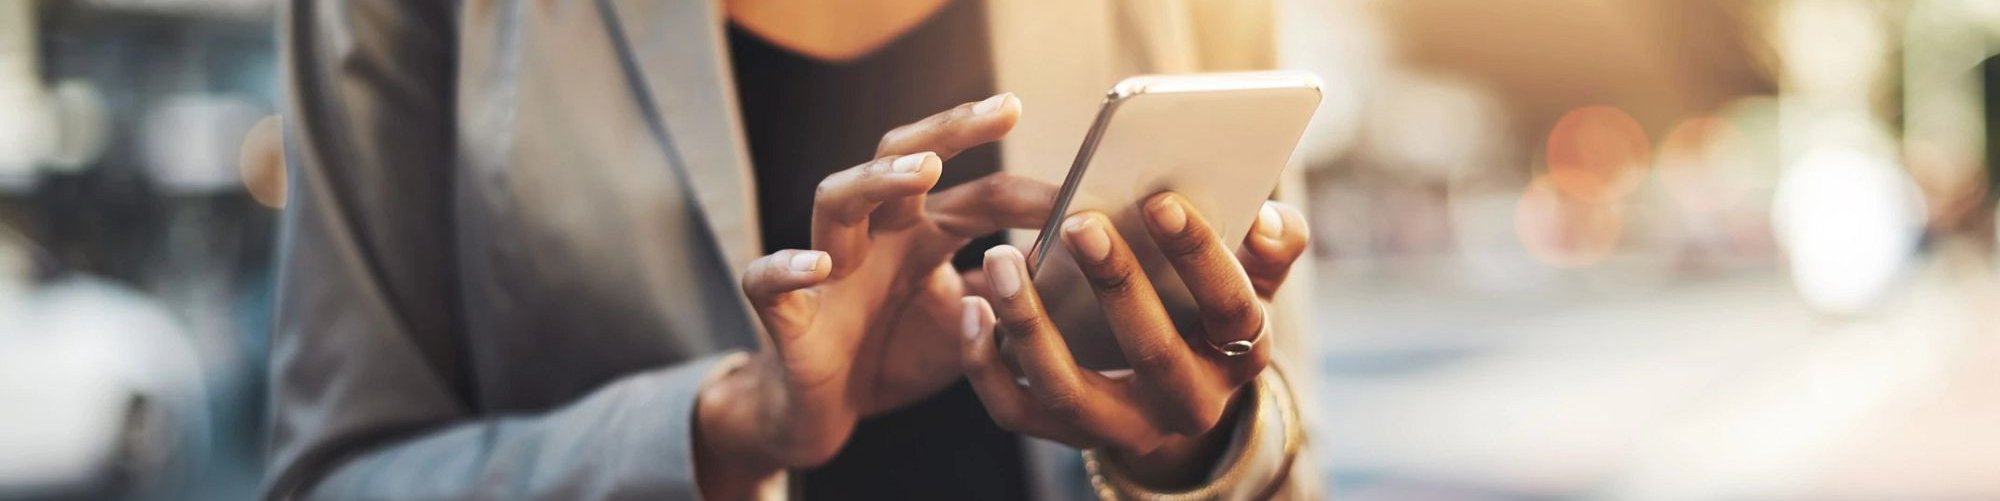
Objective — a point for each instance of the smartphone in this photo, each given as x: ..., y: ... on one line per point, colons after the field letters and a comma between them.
x: 1219, y: 139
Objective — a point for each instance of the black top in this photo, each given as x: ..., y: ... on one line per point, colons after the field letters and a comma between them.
x: 806, y: 119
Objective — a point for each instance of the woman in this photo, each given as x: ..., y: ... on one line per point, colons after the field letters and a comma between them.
x: 520, y: 262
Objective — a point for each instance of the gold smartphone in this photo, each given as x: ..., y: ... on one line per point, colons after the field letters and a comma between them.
x: 1219, y: 139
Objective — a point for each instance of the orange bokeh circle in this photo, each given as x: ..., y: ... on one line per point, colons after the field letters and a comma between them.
x: 1597, y: 154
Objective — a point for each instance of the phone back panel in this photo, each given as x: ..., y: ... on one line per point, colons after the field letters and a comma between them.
x: 1220, y: 140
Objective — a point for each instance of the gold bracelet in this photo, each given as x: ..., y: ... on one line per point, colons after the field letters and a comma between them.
x: 1112, y: 484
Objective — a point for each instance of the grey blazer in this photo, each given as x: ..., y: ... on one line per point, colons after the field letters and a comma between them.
x: 510, y: 251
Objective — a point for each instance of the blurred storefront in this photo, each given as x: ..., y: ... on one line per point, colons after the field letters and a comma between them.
x: 136, y: 292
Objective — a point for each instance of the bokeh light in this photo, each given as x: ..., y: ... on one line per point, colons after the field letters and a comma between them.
x: 1849, y: 221
x: 262, y: 162
x: 1566, y: 232
x: 194, y: 140
x: 1597, y: 154
x: 81, y: 122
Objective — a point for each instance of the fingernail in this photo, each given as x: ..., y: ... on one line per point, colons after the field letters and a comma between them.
x: 971, y: 326
x: 1168, y: 215
x: 807, y: 261
x: 1088, y: 236
x: 1269, y: 223
x: 910, y: 163
x: 1004, y: 268
x: 991, y: 104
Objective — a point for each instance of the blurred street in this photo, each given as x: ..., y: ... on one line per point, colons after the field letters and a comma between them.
x: 1626, y: 386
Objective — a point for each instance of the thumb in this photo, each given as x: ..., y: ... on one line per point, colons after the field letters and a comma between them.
x: 778, y: 285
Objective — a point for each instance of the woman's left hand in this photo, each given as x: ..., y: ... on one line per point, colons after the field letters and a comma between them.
x: 1169, y: 421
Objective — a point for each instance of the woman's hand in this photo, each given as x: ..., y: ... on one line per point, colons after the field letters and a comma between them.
x: 1167, y: 421
x: 862, y: 323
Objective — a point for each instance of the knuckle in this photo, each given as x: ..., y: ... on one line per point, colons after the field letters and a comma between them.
x: 1234, y: 314
x: 826, y: 190
x: 953, y: 116
x: 1191, y: 243
x: 1064, y: 404
x: 1113, y: 280
x: 871, y: 171
x: 1186, y: 246
x: 1020, y: 326
x: 1153, y: 358
x: 991, y: 187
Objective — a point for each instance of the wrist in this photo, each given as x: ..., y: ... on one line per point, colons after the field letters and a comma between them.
x: 1184, y: 461
x: 731, y: 457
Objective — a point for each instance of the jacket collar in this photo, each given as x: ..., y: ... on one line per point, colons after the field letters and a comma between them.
x: 676, y: 58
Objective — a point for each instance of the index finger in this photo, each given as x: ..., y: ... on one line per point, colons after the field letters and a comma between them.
x: 954, y: 130
x: 843, y: 202
x: 1139, y: 321
x: 992, y: 203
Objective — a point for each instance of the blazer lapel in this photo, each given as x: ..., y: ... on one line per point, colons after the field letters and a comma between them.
x: 676, y: 56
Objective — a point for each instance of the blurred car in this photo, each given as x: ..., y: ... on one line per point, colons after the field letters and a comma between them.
x: 100, y: 392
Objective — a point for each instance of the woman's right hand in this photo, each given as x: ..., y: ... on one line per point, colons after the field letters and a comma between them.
x: 864, y: 322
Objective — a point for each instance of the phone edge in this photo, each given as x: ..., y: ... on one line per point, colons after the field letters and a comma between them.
x: 1046, y: 240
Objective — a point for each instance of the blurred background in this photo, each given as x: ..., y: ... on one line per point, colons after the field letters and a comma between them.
x: 135, y: 275
x: 1565, y: 249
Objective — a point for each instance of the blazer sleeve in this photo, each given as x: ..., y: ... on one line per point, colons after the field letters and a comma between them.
x: 369, y: 396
